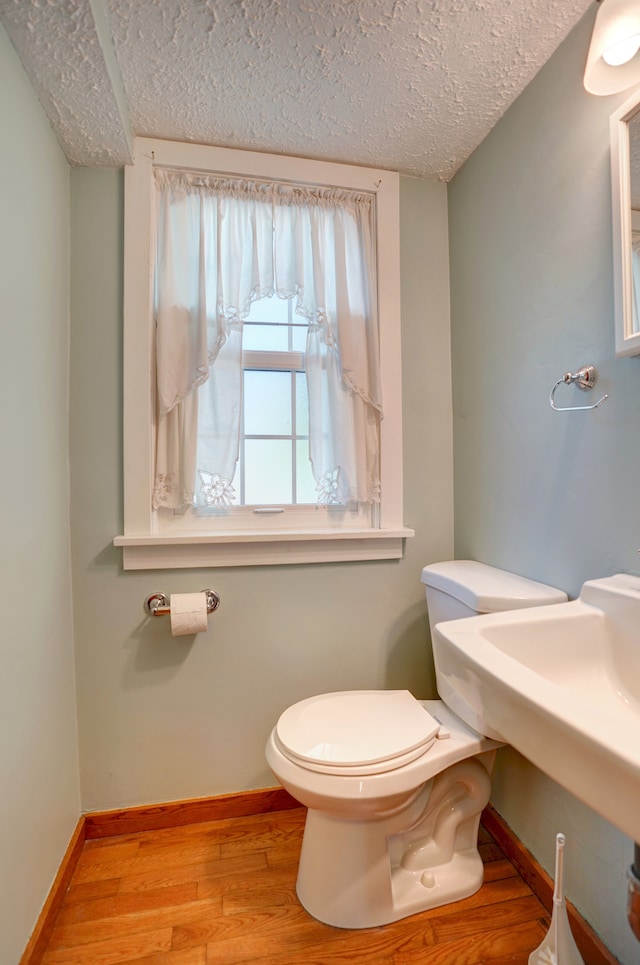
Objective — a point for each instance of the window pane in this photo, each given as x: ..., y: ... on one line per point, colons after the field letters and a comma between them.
x: 299, y: 338
x: 271, y: 309
x: 306, y: 491
x: 265, y: 338
x: 302, y: 405
x: 267, y: 403
x: 268, y: 470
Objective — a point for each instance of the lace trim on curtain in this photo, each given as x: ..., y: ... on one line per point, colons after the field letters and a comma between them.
x: 202, y: 374
x: 234, y: 317
x: 167, y: 493
x: 218, y: 491
x: 359, y: 391
x: 215, y: 489
x: 329, y: 490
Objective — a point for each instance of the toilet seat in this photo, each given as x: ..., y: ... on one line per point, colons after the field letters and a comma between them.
x: 356, y: 732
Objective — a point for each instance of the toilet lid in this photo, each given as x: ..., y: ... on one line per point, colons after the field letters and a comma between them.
x: 356, y: 729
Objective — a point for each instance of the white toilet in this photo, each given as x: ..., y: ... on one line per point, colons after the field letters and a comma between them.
x: 394, y: 786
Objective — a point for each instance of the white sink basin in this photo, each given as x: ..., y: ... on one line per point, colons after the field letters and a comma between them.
x: 561, y: 684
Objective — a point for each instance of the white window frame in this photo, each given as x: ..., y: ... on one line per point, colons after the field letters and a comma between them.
x: 144, y: 543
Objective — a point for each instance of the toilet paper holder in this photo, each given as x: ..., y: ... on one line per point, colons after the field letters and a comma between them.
x: 157, y: 604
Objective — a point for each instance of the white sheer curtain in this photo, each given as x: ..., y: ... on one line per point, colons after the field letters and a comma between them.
x: 222, y: 243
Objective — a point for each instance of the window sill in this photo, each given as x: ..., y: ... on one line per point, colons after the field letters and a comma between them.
x: 260, y: 548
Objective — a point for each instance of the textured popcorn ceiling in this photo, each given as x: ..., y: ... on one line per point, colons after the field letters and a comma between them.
x: 412, y: 85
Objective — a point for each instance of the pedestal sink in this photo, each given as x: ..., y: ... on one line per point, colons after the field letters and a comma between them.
x: 561, y: 684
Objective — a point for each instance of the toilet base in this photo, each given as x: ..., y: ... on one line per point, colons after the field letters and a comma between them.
x: 362, y: 874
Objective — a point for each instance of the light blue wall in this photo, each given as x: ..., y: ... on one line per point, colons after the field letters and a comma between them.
x: 39, y: 797
x: 163, y: 719
x: 551, y: 495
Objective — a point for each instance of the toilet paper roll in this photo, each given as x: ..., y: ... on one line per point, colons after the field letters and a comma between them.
x: 188, y: 613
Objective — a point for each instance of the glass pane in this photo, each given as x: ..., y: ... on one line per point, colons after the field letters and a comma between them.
x: 299, y: 338
x: 267, y: 471
x: 265, y: 338
x: 271, y: 309
x: 302, y: 405
x: 306, y: 491
x: 267, y: 403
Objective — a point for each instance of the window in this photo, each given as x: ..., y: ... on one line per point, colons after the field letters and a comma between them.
x: 274, y: 468
x: 261, y: 341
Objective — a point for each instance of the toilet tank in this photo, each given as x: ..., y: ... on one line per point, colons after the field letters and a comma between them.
x: 465, y: 588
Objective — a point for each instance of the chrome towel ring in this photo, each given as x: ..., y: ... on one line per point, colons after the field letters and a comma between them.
x: 585, y: 378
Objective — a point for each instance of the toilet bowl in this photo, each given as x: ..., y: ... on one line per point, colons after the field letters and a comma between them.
x: 382, y: 845
x: 394, y: 786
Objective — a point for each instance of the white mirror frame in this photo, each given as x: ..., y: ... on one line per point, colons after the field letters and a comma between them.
x: 627, y: 342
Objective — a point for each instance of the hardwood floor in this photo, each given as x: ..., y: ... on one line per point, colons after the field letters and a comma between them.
x: 223, y: 892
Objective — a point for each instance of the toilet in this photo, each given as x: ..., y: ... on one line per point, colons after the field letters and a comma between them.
x: 394, y: 786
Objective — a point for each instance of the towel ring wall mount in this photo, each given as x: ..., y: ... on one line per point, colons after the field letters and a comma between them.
x: 585, y: 378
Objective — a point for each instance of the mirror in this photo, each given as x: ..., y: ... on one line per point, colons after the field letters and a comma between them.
x: 625, y: 182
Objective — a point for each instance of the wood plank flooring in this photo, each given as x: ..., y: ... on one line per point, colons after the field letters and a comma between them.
x: 223, y: 893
